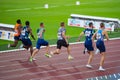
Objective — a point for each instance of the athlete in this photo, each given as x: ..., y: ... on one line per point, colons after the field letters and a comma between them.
x: 40, y: 42
x: 24, y: 37
x: 62, y: 41
x: 99, y: 35
x: 17, y: 30
x: 85, y: 49
x: 88, y: 32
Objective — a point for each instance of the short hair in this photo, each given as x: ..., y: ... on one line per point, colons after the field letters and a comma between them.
x: 102, y: 25
x: 18, y: 21
x: 62, y: 24
x: 90, y: 24
x: 27, y: 23
x: 41, y: 23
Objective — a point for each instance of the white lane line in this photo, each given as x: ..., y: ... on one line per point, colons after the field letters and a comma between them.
x: 18, y: 9
x: 119, y: 74
x: 96, y: 78
x: 110, y: 76
x: 101, y: 77
x: 54, y: 69
x: 105, y: 77
x: 53, y: 60
x: 115, y: 76
x: 63, y: 75
x: 58, y: 63
x: 10, y: 10
x: 38, y: 8
x: 53, y: 45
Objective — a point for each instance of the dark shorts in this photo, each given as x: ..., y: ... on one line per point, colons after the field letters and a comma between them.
x: 16, y: 37
x: 41, y: 42
x: 26, y: 42
x: 61, y: 43
x: 100, y: 45
x: 88, y: 45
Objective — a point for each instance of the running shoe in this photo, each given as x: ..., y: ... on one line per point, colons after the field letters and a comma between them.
x: 70, y: 57
x: 101, y: 69
x: 48, y: 55
x: 31, y: 59
x: 88, y: 66
x: 85, y: 50
x: 97, y: 51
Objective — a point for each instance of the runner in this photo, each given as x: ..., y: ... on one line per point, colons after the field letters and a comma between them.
x: 62, y: 41
x: 100, y: 43
x: 26, y: 30
x: 88, y: 32
x: 40, y: 42
x: 17, y: 29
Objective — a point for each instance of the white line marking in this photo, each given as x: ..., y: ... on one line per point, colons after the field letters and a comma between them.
x: 96, y: 78
x: 115, y: 76
x: 19, y: 9
x: 53, y: 60
x: 52, y: 45
x: 54, y: 69
x: 10, y: 10
x: 110, y: 76
x: 71, y: 74
x: 105, y: 77
x: 119, y: 74
x: 38, y: 8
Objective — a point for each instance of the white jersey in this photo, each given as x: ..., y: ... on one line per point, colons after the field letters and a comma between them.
x: 60, y: 31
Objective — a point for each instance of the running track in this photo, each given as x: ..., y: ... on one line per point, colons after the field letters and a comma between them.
x: 15, y: 65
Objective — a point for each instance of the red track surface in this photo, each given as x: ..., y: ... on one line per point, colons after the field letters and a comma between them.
x: 15, y: 65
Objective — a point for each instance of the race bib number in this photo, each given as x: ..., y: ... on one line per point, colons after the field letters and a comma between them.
x: 87, y: 33
x: 98, y: 36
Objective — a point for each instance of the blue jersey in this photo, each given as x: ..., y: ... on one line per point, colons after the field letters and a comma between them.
x: 99, y: 35
x: 24, y: 33
x: 88, y: 41
x: 100, y: 41
x: 88, y: 34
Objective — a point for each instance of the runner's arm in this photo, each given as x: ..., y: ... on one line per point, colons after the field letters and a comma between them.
x: 30, y: 30
x: 81, y: 34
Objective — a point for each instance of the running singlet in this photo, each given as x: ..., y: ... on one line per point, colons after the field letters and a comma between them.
x: 17, y: 32
x: 39, y: 32
x: 24, y: 33
x: 99, y: 35
x: 88, y: 34
x: 60, y: 33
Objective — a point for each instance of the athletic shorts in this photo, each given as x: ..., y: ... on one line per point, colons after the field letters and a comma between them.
x: 100, y: 45
x: 26, y: 42
x: 61, y: 43
x: 16, y: 37
x: 88, y: 45
x: 41, y: 42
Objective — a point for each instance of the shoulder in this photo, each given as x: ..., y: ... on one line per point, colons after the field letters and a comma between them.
x: 29, y: 29
x: 104, y: 31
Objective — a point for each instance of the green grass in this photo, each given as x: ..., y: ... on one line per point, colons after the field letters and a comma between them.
x: 54, y: 15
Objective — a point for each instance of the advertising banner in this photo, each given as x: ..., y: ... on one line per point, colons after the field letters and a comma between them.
x: 6, y: 35
x: 85, y: 23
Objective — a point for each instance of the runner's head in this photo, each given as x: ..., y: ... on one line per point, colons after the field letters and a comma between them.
x: 91, y: 25
x: 18, y: 21
x: 62, y: 24
x: 27, y: 23
x: 102, y: 25
x: 41, y: 24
